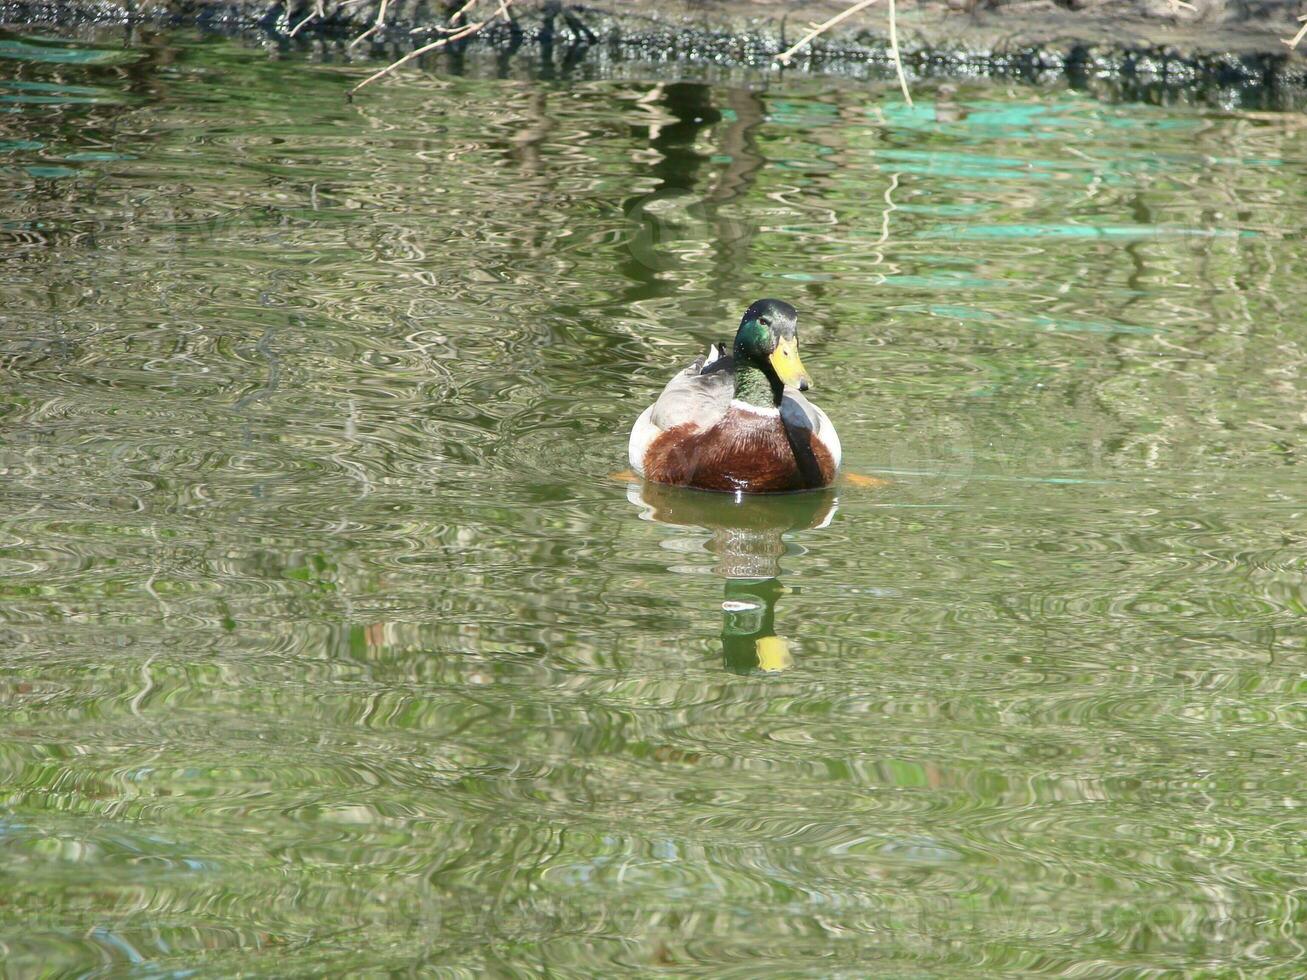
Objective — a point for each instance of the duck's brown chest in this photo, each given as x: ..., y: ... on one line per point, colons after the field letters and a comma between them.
x: 743, y: 452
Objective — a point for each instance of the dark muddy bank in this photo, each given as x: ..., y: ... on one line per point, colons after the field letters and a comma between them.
x: 1210, y: 50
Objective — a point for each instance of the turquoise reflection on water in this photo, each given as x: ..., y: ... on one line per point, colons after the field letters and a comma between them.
x: 331, y: 644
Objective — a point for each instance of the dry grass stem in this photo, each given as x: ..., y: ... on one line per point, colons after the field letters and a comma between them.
x: 1294, y: 41
x: 434, y: 45
x: 317, y: 11
x: 894, y: 53
x: 377, y: 24
x: 785, y: 57
x: 815, y: 30
x: 447, y: 27
x: 458, y: 14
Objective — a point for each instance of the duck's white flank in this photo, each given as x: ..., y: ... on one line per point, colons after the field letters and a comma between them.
x: 826, y: 434
x: 643, y: 433
x: 829, y: 438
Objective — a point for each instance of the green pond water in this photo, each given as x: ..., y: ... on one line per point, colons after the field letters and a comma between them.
x: 330, y: 642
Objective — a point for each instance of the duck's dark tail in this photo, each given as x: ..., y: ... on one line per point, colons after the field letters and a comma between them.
x: 716, y: 359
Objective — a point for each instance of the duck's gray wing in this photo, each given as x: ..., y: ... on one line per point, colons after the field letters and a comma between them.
x: 699, y: 394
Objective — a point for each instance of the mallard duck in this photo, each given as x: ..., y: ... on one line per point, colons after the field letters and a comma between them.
x: 737, y: 422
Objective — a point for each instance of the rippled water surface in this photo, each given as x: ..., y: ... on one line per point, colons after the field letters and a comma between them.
x: 329, y: 641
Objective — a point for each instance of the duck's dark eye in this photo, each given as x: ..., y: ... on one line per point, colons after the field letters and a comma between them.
x: 765, y: 321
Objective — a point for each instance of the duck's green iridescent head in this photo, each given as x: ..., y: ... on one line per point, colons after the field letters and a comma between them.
x: 767, y: 344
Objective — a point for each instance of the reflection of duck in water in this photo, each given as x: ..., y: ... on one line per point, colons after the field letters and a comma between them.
x: 747, y: 539
x: 738, y: 422
x: 749, y: 640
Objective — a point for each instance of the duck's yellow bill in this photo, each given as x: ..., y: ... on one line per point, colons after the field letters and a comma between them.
x: 788, y: 367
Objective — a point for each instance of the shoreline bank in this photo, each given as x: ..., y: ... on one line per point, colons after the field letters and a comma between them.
x: 1134, y: 48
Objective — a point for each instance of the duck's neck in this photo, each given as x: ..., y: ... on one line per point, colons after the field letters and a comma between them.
x: 755, y: 387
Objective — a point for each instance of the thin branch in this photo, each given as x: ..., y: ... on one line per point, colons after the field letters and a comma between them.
x: 419, y: 52
x: 452, y: 18
x: 317, y: 11
x: 1294, y: 41
x: 785, y: 57
x: 461, y: 11
x: 377, y: 24
x: 894, y: 53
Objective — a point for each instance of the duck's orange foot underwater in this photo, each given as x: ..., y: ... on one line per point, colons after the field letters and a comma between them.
x: 864, y: 482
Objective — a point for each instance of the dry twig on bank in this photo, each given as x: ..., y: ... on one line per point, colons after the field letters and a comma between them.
x: 1294, y: 41
x: 434, y: 45
x: 377, y: 24
x: 894, y: 53
x: 453, y: 18
x: 818, y: 29
x: 457, y: 15
x: 786, y: 56
x: 317, y: 11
